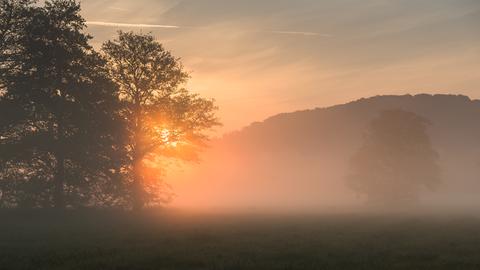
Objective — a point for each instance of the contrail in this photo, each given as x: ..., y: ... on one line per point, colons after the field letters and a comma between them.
x: 141, y: 25
x: 118, y: 8
x: 137, y: 25
x: 299, y: 33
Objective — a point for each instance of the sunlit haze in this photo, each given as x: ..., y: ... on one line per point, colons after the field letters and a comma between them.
x: 260, y: 58
x: 240, y: 134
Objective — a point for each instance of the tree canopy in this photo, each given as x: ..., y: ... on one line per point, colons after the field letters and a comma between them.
x: 86, y: 128
x: 62, y: 123
x: 395, y: 161
x: 163, y: 118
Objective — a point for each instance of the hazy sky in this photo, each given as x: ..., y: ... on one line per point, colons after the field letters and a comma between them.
x: 262, y: 57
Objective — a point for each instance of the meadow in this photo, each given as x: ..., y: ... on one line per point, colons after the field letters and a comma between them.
x: 174, y: 240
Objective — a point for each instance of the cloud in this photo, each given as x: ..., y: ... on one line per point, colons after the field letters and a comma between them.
x: 299, y: 33
x: 136, y: 25
x: 141, y: 25
x: 118, y: 8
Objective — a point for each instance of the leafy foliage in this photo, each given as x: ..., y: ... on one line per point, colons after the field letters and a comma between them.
x: 59, y: 143
x: 396, y: 160
x: 14, y: 15
x: 84, y: 128
x: 163, y: 118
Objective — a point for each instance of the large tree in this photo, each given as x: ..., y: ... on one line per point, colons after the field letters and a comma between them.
x: 395, y: 161
x: 164, y: 119
x: 58, y: 141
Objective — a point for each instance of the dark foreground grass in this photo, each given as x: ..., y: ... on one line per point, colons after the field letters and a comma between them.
x: 107, y: 240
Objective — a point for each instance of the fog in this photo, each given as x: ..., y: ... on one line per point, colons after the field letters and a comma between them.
x: 114, y: 150
x: 301, y: 161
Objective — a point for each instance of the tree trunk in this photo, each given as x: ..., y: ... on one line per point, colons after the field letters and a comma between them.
x: 138, y: 192
x: 59, y: 177
x: 59, y: 198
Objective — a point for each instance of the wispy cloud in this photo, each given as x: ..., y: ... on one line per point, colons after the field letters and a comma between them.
x: 118, y: 8
x: 141, y: 25
x: 135, y: 25
x: 300, y: 33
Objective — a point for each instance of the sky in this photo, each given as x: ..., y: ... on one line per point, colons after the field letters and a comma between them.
x: 258, y: 58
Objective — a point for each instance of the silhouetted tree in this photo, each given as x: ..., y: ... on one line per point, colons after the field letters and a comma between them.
x: 14, y: 15
x: 164, y: 119
x: 396, y: 160
x: 59, y: 140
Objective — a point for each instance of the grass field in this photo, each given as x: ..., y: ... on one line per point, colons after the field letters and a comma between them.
x: 106, y: 240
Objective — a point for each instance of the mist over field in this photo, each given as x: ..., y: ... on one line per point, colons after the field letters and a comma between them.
x: 239, y: 134
x: 300, y: 160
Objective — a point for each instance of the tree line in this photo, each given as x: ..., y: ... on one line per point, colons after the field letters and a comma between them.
x: 81, y: 127
x: 87, y: 128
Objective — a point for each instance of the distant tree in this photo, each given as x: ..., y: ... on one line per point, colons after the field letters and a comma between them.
x: 163, y: 118
x: 58, y: 143
x: 395, y: 161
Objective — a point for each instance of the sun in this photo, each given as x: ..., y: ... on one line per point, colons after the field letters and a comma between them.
x: 168, y: 137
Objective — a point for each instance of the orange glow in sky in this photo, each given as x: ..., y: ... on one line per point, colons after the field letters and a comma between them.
x: 260, y: 58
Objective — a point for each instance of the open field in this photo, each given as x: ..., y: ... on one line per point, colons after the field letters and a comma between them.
x: 106, y: 240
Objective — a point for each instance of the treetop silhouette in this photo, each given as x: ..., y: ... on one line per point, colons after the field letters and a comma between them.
x: 163, y: 118
x: 395, y: 161
x: 87, y: 128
